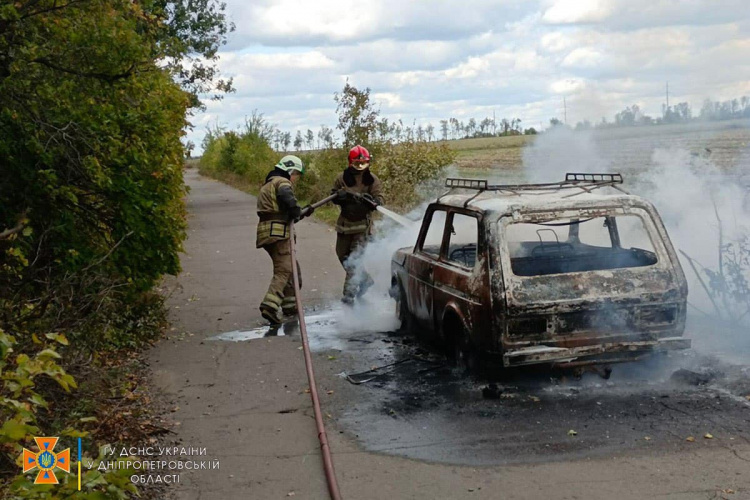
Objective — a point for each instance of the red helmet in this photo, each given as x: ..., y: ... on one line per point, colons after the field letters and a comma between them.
x: 358, y: 154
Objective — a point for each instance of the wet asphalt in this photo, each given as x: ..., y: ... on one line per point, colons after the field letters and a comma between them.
x: 397, y: 396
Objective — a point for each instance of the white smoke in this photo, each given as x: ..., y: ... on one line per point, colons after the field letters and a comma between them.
x: 561, y: 150
x: 701, y: 201
x: 375, y: 311
x: 687, y: 187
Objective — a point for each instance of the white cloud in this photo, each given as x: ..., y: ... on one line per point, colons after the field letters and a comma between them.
x: 569, y: 86
x: 577, y: 11
x: 426, y: 61
x: 584, y: 57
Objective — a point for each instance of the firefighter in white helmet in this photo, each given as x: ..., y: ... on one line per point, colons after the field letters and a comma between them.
x: 277, y: 207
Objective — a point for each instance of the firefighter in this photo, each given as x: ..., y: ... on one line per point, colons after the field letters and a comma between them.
x: 358, y: 193
x: 277, y: 207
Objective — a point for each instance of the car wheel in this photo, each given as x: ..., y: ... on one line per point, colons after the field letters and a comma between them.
x: 461, y: 352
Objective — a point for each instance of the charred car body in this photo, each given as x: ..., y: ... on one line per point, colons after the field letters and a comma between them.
x: 570, y: 273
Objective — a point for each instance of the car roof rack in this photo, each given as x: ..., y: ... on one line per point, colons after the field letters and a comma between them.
x: 587, y: 182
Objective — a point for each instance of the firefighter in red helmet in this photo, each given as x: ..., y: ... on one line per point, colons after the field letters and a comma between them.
x: 359, y: 194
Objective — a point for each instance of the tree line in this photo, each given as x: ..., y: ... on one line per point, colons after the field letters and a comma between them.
x: 632, y: 116
x: 383, y: 130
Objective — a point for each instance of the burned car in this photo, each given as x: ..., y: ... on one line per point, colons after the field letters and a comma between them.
x: 571, y: 273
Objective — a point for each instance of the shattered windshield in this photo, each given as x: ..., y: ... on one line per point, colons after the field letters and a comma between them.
x: 559, y: 246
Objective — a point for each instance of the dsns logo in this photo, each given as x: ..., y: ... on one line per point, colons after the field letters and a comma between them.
x: 46, y: 460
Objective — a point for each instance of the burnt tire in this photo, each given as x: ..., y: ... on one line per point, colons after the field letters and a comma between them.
x: 460, y: 351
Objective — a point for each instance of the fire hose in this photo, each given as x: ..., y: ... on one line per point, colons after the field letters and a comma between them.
x: 333, y: 487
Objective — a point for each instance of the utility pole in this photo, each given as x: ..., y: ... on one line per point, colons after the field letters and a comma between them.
x: 667, y: 96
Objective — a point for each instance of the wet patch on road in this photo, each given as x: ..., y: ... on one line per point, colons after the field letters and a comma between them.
x: 330, y: 328
x: 395, y: 397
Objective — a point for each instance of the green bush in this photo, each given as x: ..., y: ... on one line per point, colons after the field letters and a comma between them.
x: 322, y: 168
x: 405, y: 167
x: 243, y: 153
x: 93, y: 104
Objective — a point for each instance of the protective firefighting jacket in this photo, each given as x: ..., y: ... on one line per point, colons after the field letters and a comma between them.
x: 276, y: 207
x: 356, y: 216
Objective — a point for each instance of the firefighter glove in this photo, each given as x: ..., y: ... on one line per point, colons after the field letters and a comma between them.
x: 307, y: 211
x: 342, y: 195
x: 295, y: 213
x: 368, y: 199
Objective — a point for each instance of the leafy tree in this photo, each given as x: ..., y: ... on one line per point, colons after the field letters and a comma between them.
x: 444, y: 129
x: 257, y: 126
x: 484, y: 126
x: 298, y: 141
x: 398, y: 130
x: 384, y: 129
x: 325, y: 136
x: 94, y: 96
x: 92, y: 114
x: 310, y: 138
x: 430, y: 131
x: 357, y: 118
x: 471, y: 127
x: 455, y: 127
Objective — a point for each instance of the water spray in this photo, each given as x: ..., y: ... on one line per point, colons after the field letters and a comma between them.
x: 388, y: 213
x: 396, y: 217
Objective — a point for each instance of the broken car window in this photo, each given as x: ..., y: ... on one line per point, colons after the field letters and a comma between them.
x: 434, y: 237
x: 462, y: 243
x: 579, y: 244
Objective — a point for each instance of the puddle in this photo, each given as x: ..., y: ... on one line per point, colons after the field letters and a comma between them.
x: 336, y: 327
x: 284, y: 330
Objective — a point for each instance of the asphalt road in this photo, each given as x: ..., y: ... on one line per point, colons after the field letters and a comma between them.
x: 419, y: 429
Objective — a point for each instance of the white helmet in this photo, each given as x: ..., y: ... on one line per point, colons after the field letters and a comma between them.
x: 291, y: 162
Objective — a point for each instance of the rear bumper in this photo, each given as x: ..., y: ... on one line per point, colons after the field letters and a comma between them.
x: 592, y: 354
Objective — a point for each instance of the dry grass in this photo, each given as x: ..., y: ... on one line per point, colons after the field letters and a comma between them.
x: 490, y: 152
x: 493, y: 143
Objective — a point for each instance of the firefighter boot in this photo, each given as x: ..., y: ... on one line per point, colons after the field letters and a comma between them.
x: 289, y: 306
x: 270, y: 308
x: 350, y: 289
x: 367, y: 282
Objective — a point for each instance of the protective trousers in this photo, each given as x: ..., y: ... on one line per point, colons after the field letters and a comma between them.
x: 355, y: 284
x: 280, y: 295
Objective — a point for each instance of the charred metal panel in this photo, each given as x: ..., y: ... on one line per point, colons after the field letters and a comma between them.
x: 590, y: 354
x: 573, y: 317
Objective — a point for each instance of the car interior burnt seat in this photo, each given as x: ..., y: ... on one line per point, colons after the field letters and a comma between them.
x: 559, y: 258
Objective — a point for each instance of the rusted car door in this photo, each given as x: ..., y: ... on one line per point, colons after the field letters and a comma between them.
x: 421, y: 266
x: 460, y: 280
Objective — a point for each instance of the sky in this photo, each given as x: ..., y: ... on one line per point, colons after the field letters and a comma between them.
x: 430, y: 60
